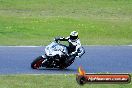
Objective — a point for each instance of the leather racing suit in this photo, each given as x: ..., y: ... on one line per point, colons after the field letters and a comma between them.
x: 74, y: 47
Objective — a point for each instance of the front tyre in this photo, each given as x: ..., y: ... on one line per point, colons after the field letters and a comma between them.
x: 37, y: 63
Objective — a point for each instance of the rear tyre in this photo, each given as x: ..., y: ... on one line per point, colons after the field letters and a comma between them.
x: 37, y: 63
x: 69, y: 61
x: 62, y: 67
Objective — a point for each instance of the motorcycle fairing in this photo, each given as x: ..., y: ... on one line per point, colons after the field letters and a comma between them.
x: 55, y: 49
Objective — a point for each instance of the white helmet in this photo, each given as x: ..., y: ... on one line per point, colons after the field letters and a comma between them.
x: 73, y: 35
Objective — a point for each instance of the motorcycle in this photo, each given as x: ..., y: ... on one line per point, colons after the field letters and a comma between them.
x: 56, y: 56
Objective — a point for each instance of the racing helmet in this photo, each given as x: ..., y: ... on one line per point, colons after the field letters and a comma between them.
x: 74, y: 35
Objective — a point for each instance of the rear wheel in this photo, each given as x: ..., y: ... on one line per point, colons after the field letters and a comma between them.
x: 37, y: 63
x: 62, y: 67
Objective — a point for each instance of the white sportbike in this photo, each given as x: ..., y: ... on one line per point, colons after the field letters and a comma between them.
x: 56, y: 56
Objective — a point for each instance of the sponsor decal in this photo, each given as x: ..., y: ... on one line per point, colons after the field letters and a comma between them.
x: 82, y: 77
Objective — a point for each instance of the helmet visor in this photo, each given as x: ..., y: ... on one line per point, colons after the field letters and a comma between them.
x: 73, y: 37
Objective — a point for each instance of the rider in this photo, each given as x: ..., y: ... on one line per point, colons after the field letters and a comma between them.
x: 74, y: 48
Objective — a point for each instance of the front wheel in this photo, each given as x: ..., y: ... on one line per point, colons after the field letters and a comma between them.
x: 37, y: 63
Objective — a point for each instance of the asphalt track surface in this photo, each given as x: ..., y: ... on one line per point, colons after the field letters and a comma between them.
x: 117, y: 59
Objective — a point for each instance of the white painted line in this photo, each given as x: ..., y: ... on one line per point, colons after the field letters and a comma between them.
x: 22, y: 46
x: 65, y: 74
x: 82, y: 45
x: 106, y: 45
x: 129, y: 45
x: 45, y: 74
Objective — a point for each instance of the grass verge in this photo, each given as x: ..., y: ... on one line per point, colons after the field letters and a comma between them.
x: 49, y: 81
x: 99, y: 22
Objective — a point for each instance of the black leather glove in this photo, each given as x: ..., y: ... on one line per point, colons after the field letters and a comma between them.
x: 57, y: 39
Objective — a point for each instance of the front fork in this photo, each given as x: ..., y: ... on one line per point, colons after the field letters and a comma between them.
x: 45, y: 59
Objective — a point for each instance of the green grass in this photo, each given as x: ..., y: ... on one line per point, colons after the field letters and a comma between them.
x: 50, y: 81
x: 37, y: 22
